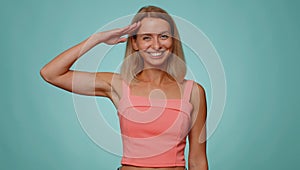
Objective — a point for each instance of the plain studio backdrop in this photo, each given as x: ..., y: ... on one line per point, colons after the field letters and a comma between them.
x: 257, y: 42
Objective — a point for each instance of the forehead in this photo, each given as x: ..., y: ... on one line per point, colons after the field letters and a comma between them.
x: 154, y: 26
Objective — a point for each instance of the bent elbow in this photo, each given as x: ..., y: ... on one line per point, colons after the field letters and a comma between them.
x: 45, y: 75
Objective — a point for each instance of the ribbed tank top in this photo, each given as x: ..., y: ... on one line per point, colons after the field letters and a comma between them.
x: 154, y: 131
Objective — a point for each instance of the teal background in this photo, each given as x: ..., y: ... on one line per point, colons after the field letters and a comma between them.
x: 257, y: 41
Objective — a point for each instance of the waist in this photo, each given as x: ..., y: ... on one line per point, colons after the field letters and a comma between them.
x: 128, y: 167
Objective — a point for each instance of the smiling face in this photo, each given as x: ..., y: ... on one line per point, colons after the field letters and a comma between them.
x: 154, y: 42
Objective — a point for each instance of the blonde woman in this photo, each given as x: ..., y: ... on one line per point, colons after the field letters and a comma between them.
x: 157, y: 108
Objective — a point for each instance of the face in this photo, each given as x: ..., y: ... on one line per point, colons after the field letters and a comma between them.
x: 154, y: 42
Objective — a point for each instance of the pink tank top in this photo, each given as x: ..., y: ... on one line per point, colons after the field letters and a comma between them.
x: 154, y: 131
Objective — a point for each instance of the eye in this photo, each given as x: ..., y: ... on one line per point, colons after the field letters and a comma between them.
x: 164, y: 36
x: 146, y: 38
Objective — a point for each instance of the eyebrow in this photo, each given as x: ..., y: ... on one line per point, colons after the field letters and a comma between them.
x: 149, y: 34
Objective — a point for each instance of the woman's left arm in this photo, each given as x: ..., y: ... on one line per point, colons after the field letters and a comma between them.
x: 197, y: 159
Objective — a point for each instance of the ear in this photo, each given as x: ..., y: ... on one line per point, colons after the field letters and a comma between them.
x: 134, y: 45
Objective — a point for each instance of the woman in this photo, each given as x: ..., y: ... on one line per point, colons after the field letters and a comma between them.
x: 157, y: 107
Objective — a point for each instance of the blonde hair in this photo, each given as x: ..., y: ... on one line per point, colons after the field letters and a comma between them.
x: 133, y: 63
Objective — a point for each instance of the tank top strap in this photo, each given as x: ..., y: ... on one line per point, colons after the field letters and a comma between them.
x: 188, y: 90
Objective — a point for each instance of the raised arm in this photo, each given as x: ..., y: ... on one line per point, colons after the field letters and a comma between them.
x: 197, y: 135
x: 57, y: 72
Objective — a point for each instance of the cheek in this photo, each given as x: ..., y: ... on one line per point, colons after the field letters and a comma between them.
x: 143, y: 45
x: 168, y: 44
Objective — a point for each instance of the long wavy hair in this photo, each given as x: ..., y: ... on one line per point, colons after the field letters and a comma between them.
x: 134, y: 64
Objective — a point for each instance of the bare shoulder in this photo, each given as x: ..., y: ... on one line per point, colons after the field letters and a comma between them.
x: 198, y: 87
x: 197, y: 94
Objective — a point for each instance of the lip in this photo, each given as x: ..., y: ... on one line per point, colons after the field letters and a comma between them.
x: 156, y: 55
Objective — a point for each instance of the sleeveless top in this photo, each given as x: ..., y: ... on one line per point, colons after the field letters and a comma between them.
x: 154, y: 131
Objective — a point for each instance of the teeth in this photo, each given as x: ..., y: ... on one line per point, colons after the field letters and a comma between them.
x: 156, y: 54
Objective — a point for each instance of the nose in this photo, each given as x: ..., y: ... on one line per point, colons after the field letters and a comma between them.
x: 156, y: 45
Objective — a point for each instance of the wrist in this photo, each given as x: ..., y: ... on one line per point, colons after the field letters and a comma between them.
x: 96, y: 38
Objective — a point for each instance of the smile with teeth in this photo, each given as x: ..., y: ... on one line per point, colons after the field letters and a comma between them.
x: 156, y: 54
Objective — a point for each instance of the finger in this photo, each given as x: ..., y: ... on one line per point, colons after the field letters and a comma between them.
x: 136, y: 26
x: 130, y: 28
x: 121, y: 40
x: 133, y: 28
x: 125, y: 29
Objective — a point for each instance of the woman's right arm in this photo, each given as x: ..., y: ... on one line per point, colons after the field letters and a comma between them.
x: 57, y: 72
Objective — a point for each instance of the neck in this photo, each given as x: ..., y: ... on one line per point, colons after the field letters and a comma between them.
x: 153, y: 75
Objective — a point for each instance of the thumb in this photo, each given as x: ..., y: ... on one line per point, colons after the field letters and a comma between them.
x: 121, y: 40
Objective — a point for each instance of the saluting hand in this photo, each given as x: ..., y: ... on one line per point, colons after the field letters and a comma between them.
x: 115, y: 36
